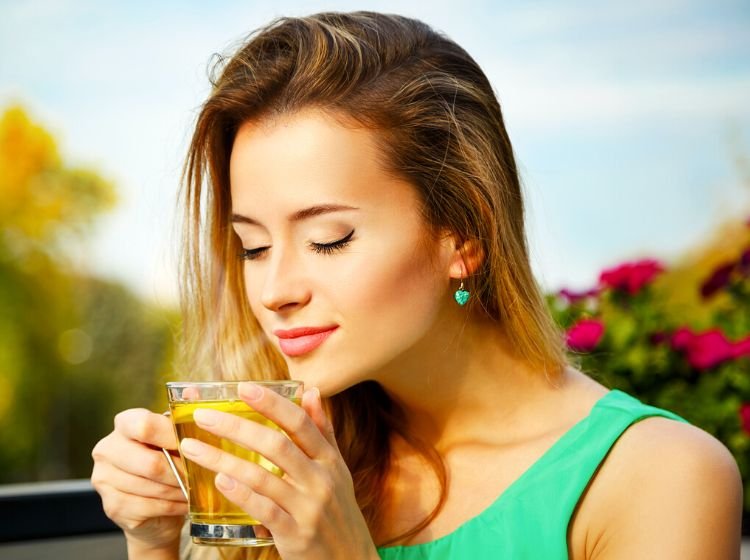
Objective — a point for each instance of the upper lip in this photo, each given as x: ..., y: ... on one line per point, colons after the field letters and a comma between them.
x: 302, y: 331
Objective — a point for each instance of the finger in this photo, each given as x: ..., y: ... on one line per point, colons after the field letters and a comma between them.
x: 270, y: 443
x: 250, y: 474
x: 135, y: 458
x: 313, y: 405
x: 129, y: 511
x: 105, y: 474
x: 147, y: 427
x: 262, y: 508
x: 289, y: 417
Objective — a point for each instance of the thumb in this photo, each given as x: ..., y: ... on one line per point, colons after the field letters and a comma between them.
x: 146, y: 427
x: 312, y: 404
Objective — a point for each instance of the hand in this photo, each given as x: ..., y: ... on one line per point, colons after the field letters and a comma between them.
x: 139, y: 491
x: 311, y: 512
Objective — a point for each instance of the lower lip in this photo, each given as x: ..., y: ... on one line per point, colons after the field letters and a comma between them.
x: 303, y: 344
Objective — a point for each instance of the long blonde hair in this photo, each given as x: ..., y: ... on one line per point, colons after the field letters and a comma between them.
x: 438, y: 124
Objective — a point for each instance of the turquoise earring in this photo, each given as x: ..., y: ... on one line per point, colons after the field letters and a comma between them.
x: 461, y: 296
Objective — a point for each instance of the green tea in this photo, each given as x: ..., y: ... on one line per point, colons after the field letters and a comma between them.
x: 207, y: 504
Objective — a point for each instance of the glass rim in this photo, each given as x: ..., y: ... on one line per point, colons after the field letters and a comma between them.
x: 291, y: 382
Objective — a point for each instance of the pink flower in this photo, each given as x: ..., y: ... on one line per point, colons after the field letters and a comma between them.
x: 745, y: 417
x: 585, y: 335
x: 704, y: 350
x: 573, y: 296
x: 682, y: 338
x: 710, y: 349
x: 631, y: 277
x: 741, y: 348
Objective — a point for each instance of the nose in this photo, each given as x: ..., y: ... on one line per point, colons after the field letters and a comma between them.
x: 285, y: 286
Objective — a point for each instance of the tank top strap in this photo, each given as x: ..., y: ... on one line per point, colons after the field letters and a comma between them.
x: 566, y: 469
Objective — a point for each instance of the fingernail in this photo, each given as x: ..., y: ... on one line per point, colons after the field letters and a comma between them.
x: 225, y: 482
x: 191, y: 446
x: 250, y: 391
x: 316, y: 392
x: 206, y: 416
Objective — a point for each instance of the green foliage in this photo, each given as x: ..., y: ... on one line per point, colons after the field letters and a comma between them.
x: 73, y: 350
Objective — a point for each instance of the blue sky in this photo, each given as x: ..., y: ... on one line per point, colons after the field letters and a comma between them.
x: 620, y: 113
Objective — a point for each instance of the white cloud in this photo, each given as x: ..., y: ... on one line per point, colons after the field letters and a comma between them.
x: 530, y: 101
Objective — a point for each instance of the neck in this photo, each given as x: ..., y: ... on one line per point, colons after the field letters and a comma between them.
x: 462, y: 385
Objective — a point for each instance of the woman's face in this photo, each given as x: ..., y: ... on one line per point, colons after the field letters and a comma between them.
x: 340, y: 269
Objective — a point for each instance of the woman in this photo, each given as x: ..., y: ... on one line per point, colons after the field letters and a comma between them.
x: 354, y: 220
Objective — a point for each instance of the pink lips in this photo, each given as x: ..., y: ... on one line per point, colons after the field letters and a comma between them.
x: 299, y: 341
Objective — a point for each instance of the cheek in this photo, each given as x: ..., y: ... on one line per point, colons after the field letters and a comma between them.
x: 252, y: 293
x: 392, y: 302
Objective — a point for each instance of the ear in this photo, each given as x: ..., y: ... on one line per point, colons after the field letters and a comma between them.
x: 466, y: 257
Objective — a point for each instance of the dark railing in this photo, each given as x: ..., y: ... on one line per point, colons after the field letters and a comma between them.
x: 46, y: 510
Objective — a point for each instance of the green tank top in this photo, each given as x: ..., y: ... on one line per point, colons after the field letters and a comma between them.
x: 530, y: 519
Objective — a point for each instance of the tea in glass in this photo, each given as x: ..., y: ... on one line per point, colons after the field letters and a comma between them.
x: 213, y: 518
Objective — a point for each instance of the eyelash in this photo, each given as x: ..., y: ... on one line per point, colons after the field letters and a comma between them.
x: 324, y: 248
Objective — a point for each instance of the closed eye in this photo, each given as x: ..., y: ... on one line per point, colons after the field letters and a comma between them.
x: 324, y: 248
x: 330, y: 248
x: 252, y: 254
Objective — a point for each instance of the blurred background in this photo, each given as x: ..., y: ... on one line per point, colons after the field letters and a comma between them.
x: 631, y: 125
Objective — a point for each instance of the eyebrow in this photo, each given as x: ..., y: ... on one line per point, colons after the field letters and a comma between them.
x: 300, y: 215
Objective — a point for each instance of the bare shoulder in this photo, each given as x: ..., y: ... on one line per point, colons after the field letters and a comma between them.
x: 666, y: 490
x: 667, y: 444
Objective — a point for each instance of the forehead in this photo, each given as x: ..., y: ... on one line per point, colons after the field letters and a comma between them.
x: 307, y: 156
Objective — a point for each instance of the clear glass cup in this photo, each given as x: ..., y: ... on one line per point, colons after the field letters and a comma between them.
x: 214, y: 520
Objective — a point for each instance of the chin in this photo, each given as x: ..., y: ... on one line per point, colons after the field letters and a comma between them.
x: 329, y: 382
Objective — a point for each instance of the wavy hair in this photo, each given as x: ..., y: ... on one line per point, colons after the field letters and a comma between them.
x: 438, y: 125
